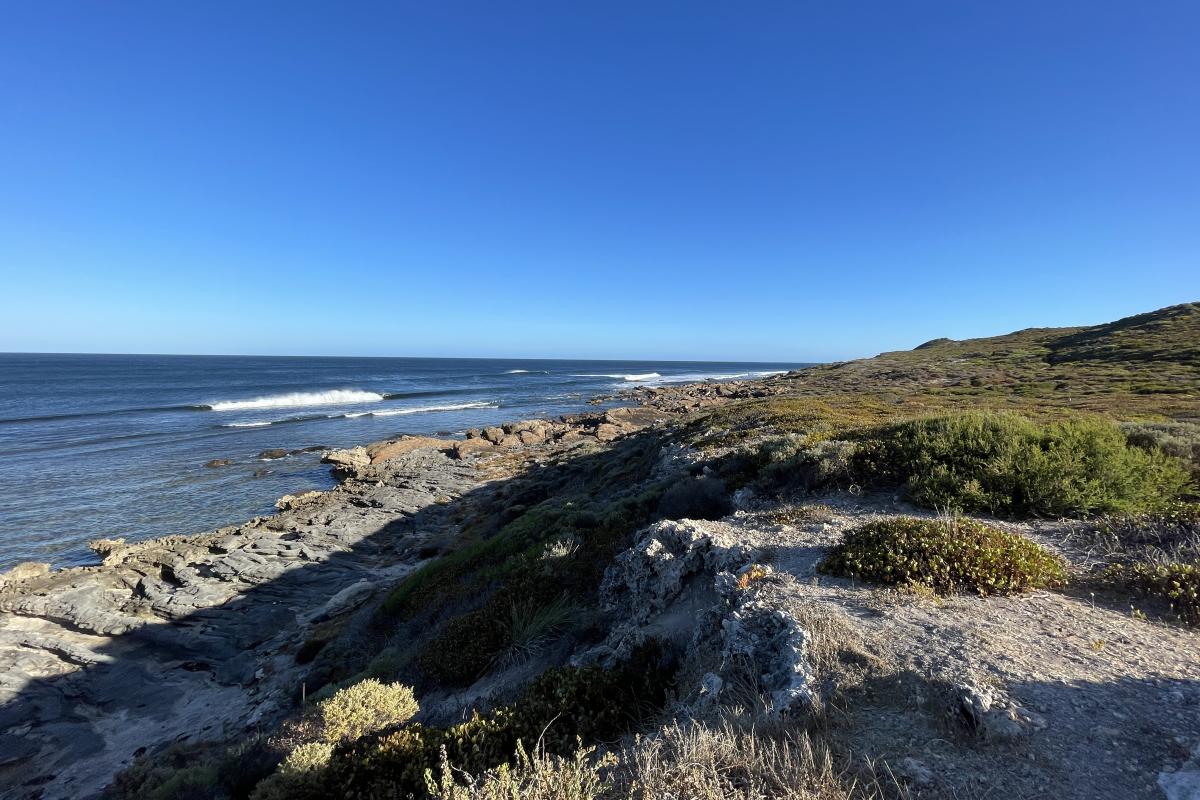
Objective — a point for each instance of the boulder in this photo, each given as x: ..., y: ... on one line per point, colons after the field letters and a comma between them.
x: 107, y: 548
x: 218, y: 462
x: 606, y: 432
x: 384, y: 451
x: 291, y: 501
x: 346, y: 600
x: 468, y: 446
x: 494, y: 434
x: 353, y: 458
x: 26, y: 569
x: 532, y: 437
x: 648, y: 576
x: 777, y: 644
x: 273, y: 453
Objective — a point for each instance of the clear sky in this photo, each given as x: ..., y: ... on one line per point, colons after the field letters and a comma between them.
x: 759, y: 181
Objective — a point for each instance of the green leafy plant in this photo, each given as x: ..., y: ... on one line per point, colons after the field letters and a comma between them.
x: 945, y: 555
x: 1175, y: 583
x: 558, y: 709
x: 1006, y: 464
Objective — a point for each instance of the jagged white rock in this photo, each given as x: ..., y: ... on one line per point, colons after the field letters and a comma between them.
x: 649, y: 575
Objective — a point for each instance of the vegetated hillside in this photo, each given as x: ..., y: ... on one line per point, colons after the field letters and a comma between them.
x: 1145, y: 365
x: 918, y: 575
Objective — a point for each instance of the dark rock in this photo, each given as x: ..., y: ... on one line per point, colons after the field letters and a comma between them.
x: 273, y: 453
x: 218, y: 462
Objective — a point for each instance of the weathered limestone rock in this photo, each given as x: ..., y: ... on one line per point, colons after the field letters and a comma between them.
x: 466, y: 447
x: 385, y: 451
x: 346, y: 600
x: 292, y: 501
x: 776, y: 644
x: 352, y: 458
x: 26, y: 569
x: 646, y: 577
x: 607, y: 433
x: 180, y: 637
x: 991, y: 716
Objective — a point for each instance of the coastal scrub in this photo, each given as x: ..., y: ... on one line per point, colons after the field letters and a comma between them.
x: 944, y: 555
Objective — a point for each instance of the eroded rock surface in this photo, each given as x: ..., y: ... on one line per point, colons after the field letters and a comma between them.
x: 189, y: 638
x: 193, y: 637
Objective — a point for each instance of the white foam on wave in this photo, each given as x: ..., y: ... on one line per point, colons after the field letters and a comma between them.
x: 259, y: 424
x: 333, y: 397
x: 698, y: 377
x: 647, y: 376
x: 515, y: 371
x: 393, y: 412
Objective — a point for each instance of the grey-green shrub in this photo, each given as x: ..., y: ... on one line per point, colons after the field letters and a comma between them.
x: 945, y: 555
x: 1006, y: 464
x: 365, y: 707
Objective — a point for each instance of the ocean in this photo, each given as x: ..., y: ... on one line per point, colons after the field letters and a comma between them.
x: 115, y: 446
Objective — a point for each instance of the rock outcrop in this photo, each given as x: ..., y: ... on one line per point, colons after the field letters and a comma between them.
x: 198, y: 637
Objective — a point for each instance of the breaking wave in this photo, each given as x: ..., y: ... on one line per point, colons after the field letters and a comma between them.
x: 647, y: 376
x: 393, y: 412
x: 333, y: 397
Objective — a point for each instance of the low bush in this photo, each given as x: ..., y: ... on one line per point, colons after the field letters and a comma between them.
x: 198, y: 771
x: 1175, y: 583
x: 466, y: 647
x: 1007, y: 465
x: 947, y: 556
x: 695, y: 498
x: 558, y: 709
x: 365, y: 707
x: 299, y: 777
x: 727, y: 759
x: 1170, y: 534
x: 1180, y: 438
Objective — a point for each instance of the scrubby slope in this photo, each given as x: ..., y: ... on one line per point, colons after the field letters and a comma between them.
x: 1148, y: 364
x: 657, y: 574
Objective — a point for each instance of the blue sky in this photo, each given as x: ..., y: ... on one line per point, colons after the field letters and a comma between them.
x: 762, y: 181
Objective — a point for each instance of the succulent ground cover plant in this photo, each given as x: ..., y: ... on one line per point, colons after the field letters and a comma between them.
x: 945, y: 555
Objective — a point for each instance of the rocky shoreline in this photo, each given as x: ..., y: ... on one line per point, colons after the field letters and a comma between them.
x: 188, y: 638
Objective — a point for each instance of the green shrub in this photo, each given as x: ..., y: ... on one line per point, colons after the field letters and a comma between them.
x: 197, y: 771
x: 946, y: 556
x: 299, y: 777
x: 558, y: 709
x: 365, y: 707
x: 1178, y: 438
x: 466, y: 647
x: 1174, y: 582
x: 695, y: 498
x: 1006, y: 464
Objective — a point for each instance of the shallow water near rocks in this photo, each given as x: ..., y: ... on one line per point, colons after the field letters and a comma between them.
x: 108, y: 446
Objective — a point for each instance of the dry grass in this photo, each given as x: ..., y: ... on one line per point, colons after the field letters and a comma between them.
x: 736, y: 758
x: 541, y: 776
